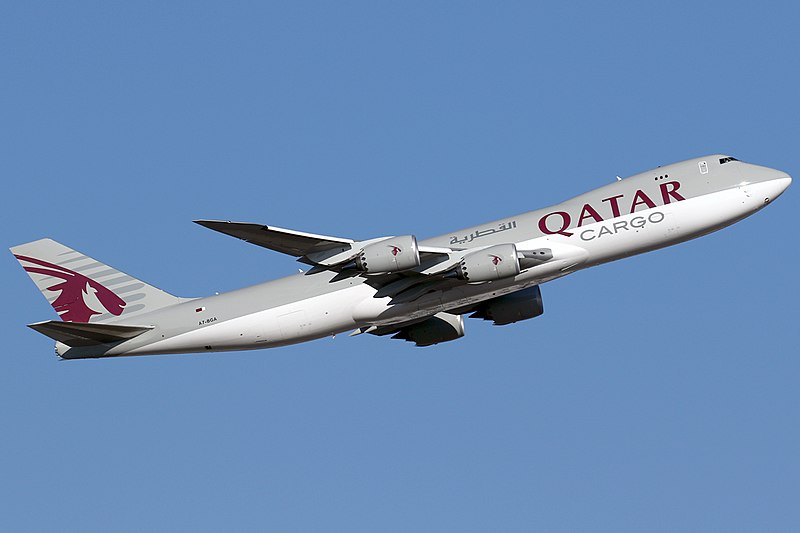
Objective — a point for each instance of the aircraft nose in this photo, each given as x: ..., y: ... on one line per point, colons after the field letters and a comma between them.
x: 775, y: 186
x: 782, y: 182
x: 777, y: 181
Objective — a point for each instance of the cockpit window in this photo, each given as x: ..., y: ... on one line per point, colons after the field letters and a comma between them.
x: 726, y: 160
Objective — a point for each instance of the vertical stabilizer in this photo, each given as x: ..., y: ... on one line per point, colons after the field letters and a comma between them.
x: 82, y: 289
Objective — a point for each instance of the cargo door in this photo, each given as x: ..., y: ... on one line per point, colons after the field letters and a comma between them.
x: 293, y: 325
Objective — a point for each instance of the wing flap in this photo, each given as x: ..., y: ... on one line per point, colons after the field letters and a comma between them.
x: 87, y: 334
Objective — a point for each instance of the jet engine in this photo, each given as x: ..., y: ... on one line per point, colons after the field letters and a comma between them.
x: 489, y: 264
x: 510, y: 308
x: 389, y: 255
x: 441, y: 327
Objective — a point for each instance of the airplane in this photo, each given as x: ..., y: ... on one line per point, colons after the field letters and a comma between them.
x: 418, y: 291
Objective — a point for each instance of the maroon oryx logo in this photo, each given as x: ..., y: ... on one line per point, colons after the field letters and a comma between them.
x: 396, y: 250
x: 495, y: 259
x: 71, y: 302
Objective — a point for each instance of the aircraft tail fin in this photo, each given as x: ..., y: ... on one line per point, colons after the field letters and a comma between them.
x: 82, y: 289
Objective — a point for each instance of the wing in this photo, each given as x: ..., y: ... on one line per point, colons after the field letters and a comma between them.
x: 286, y: 241
x: 426, y: 331
x: 310, y: 248
x: 434, y: 268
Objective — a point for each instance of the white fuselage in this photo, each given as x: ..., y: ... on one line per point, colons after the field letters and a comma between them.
x: 356, y: 305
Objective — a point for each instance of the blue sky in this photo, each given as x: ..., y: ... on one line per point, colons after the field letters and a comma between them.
x: 657, y: 393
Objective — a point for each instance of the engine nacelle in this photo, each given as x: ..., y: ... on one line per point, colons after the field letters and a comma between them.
x: 393, y: 254
x: 489, y: 264
x: 510, y: 308
x: 441, y: 327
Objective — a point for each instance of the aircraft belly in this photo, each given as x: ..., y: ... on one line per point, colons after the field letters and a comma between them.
x: 299, y: 321
x: 699, y: 216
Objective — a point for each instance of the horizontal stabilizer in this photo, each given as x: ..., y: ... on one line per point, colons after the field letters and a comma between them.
x: 80, y: 334
x: 291, y: 242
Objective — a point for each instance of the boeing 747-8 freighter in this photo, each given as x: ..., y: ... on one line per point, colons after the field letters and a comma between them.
x: 417, y: 290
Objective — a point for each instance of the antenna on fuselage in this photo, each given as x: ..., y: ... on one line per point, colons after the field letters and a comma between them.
x: 619, y: 179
